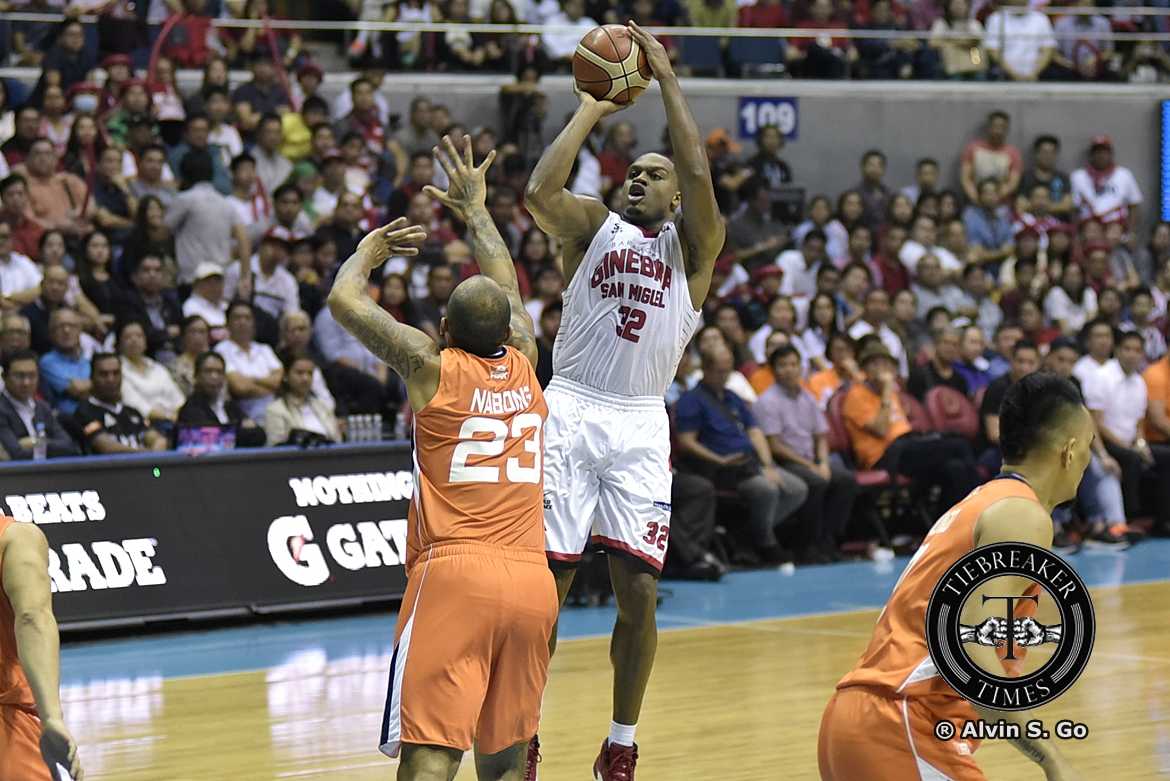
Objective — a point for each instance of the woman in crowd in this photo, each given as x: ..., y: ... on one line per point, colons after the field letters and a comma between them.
x: 842, y: 369
x: 1111, y: 306
x: 856, y: 279
x: 209, y: 405
x: 707, y: 337
x: 547, y: 289
x: 83, y: 149
x: 960, y: 57
x: 97, y: 282
x: 151, y: 236
x: 1072, y: 303
x: 53, y: 252
x: 396, y: 300
x: 194, y: 340
x: 850, y: 209
x: 147, y: 386
x: 1151, y: 257
x: 296, y: 339
x: 900, y: 212
x: 949, y: 206
x: 782, y: 317
x: 215, y: 74
x: 822, y: 324
x: 297, y: 407
x: 536, y: 251
x: 1031, y: 319
x: 115, y: 203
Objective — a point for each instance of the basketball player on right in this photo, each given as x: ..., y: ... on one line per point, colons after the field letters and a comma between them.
x: 878, y: 726
x: 33, y: 737
x: 627, y: 317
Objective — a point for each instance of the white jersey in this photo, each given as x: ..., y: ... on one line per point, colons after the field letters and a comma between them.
x: 1107, y: 196
x: 627, y: 313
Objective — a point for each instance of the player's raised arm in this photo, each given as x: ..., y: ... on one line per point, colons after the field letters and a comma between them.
x: 26, y: 584
x: 571, y: 218
x: 701, y: 227
x: 407, y: 350
x: 466, y: 195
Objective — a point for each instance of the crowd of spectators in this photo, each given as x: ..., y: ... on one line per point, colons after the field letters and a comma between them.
x: 944, y: 39
x: 164, y: 259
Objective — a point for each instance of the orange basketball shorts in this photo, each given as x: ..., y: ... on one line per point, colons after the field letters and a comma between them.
x: 868, y: 737
x: 470, y: 658
x: 20, y: 746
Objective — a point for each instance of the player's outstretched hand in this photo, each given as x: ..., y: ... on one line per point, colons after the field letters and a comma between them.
x: 467, y: 183
x: 656, y: 55
x: 397, y: 238
x: 59, y: 748
x: 603, y: 108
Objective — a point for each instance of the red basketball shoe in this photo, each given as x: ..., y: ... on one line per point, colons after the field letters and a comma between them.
x: 533, y: 759
x: 615, y: 762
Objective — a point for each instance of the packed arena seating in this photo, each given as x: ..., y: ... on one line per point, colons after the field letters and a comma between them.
x: 129, y: 206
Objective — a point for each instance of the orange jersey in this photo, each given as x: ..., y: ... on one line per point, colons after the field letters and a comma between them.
x: 897, y: 662
x: 479, y: 475
x: 14, y: 688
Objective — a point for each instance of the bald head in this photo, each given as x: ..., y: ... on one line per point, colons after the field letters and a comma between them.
x: 478, y: 314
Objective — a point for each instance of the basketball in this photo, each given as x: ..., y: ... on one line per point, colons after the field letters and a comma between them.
x: 610, y: 65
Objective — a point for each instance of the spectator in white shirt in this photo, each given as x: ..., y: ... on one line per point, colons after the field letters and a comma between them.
x: 560, y: 45
x: 219, y: 106
x: 1099, y: 360
x: 932, y: 289
x: 254, y: 373
x: 253, y: 209
x: 922, y: 241
x: 1107, y: 191
x: 875, y: 320
x: 1072, y: 303
x: 147, y: 386
x: 1019, y: 40
x: 274, y: 288
x: 20, y: 278
x: 207, y: 300
x: 800, y: 266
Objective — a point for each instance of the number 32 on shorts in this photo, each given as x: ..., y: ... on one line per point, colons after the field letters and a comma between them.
x: 657, y: 534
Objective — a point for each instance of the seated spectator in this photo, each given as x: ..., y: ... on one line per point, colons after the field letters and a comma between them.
x: 885, y: 58
x: 197, y: 140
x: 106, y: 424
x: 881, y: 437
x: 822, y: 324
x: 65, y: 370
x: 976, y: 301
x: 875, y: 320
x: 15, y: 335
x: 796, y: 429
x: 814, y: 57
x: 820, y: 217
x: 922, y: 242
x: 274, y: 289
x: 1003, y: 344
x: 222, y: 132
x: 20, y: 278
x: 151, y: 236
x: 356, y: 377
x: 932, y: 288
x: 440, y: 283
x: 781, y: 318
x: 147, y: 386
x: 989, y: 226
x: 1141, y: 306
x: 148, y: 303
x: 207, y: 300
x: 194, y: 340
x: 116, y: 205
x: 754, y: 234
x: 1099, y: 341
x: 209, y: 405
x: 150, y: 180
x: 720, y: 439
x: 16, y: 212
x: 940, y: 370
x: 254, y: 373
x: 346, y: 226
x: 843, y: 370
x: 24, y: 417
x: 296, y: 339
x: 68, y: 61
x: 272, y: 168
x: 297, y: 408
x: 1118, y: 399
x: 260, y: 96
x: 25, y: 131
x: 1020, y: 42
x: 1072, y: 303
x: 1025, y: 360
x: 98, y: 283
x: 972, y: 365
x: 962, y: 57
x: 288, y: 212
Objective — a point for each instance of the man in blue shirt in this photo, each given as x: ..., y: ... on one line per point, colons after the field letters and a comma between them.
x: 64, y: 370
x: 989, y: 227
x: 718, y: 435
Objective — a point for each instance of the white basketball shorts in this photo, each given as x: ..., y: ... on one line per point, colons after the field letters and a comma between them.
x: 606, y: 473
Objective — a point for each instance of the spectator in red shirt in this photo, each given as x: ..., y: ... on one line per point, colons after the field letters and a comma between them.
x: 822, y: 57
x: 764, y: 13
x: 992, y: 157
x: 17, y: 213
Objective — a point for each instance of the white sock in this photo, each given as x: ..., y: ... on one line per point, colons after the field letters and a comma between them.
x: 622, y: 734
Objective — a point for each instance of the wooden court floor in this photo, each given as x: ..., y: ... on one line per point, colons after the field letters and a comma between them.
x: 726, y: 702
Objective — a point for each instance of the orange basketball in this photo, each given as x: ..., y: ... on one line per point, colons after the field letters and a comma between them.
x: 610, y: 65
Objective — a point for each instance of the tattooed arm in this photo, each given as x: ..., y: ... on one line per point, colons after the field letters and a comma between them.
x: 465, y: 196
x: 407, y: 350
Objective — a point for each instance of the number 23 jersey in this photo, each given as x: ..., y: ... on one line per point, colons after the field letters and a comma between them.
x: 478, y: 447
x: 627, y: 312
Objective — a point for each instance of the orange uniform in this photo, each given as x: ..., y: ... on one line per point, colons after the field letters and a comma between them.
x: 862, y: 405
x: 20, y: 729
x: 471, y: 650
x: 879, y: 724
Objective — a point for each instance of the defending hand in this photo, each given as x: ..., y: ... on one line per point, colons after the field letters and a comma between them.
x: 397, y: 238
x: 467, y: 183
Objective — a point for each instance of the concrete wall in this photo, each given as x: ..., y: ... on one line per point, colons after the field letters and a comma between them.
x: 839, y: 120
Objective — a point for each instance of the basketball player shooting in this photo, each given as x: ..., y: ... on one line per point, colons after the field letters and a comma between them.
x: 879, y: 724
x: 33, y: 737
x: 627, y: 317
x: 470, y: 657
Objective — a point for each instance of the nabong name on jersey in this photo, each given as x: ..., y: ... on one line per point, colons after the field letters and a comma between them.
x: 501, y: 402
x: 630, y: 261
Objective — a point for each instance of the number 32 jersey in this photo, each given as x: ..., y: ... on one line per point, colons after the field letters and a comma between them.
x: 478, y: 446
x: 627, y: 313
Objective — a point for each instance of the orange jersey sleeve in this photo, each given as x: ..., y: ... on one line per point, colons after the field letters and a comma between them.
x: 14, y: 688
x: 1157, y: 377
x: 897, y: 661
x: 478, y: 447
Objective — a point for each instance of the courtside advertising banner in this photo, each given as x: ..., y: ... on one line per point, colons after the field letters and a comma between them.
x: 141, y: 538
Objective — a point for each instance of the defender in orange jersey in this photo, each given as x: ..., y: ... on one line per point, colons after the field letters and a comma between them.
x: 470, y: 657
x: 879, y: 725
x: 33, y: 738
